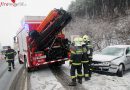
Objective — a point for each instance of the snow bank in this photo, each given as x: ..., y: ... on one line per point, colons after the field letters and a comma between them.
x: 44, y: 80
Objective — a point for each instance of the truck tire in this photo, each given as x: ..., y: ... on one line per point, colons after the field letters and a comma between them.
x: 120, y: 71
x: 20, y: 62
x: 28, y: 69
x: 57, y: 64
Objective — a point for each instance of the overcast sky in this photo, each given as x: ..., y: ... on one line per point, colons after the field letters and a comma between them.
x: 10, y: 16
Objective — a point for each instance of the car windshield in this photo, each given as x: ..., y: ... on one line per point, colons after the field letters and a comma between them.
x: 114, y: 51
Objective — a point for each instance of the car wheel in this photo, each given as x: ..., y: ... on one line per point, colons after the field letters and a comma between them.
x: 20, y: 62
x: 120, y: 71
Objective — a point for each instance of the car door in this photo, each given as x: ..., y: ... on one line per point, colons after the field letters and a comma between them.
x: 127, y: 62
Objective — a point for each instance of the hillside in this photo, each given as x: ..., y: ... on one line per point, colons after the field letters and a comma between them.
x: 107, y: 22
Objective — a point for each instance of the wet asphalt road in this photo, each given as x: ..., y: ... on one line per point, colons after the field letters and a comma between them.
x: 6, y: 76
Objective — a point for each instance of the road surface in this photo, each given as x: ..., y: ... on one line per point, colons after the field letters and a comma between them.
x: 6, y: 77
x: 49, y: 79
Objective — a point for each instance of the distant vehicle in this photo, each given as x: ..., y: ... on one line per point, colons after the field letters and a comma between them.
x: 41, y: 40
x: 114, y: 59
x: 4, y: 48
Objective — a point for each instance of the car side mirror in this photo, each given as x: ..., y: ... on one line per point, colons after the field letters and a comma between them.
x: 97, y: 52
x: 127, y: 51
x: 15, y: 39
x: 128, y: 54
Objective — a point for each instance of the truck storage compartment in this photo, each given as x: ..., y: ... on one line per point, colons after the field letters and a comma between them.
x: 58, y: 51
x: 55, y: 54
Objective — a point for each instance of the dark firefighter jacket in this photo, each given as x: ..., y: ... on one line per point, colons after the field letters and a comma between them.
x: 85, y: 54
x: 10, y: 54
x: 90, y: 50
x: 76, y: 55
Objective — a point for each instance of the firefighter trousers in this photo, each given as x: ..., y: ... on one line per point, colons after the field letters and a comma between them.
x: 73, y: 72
x: 87, y: 71
x: 11, y: 63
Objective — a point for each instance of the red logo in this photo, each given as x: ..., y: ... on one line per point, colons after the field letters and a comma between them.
x: 13, y: 1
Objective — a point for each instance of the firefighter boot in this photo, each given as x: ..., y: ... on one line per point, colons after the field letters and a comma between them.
x: 80, y: 80
x: 87, y: 78
x: 9, y: 69
x: 90, y: 73
x: 73, y: 83
x: 13, y: 67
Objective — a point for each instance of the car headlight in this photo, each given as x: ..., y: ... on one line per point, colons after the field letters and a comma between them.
x: 106, y: 63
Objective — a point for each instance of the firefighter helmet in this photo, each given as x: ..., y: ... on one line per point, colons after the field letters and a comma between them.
x: 78, y: 41
x: 81, y: 41
x: 85, y: 38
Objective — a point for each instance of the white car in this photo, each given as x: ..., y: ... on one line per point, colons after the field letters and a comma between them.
x: 114, y: 59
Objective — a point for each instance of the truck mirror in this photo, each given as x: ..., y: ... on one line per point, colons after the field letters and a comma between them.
x: 15, y: 39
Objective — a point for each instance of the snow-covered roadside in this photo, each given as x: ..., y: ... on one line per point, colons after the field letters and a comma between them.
x: 107, y: 82
x: 44, y: 80
x: 104, y: 82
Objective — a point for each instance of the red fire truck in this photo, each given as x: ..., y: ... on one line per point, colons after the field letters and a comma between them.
x: 41, y: 40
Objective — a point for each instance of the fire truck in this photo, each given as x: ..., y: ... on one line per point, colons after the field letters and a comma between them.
x: 41, y: 39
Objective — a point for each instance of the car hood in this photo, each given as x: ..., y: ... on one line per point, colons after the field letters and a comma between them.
x: 103, y: 58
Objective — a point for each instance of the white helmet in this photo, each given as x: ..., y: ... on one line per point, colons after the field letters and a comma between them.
x: 78, y: 41
x: 85, y: 38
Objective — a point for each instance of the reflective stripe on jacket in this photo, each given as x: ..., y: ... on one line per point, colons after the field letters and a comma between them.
x: 10, y: 54
x: 76, y: 55
x: 87, y: 61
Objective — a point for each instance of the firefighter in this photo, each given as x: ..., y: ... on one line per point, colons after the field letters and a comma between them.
x: 10, y: 54
x: 87, y: 57
x: 75, y: 60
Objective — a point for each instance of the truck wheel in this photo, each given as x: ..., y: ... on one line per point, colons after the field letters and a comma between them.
x: 27, y: 68
x: 57, y: 64
x: 20, y: 62
x: 120, y: 71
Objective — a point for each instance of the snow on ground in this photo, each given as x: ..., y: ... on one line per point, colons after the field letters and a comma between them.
x: 104, y: 81
x: 44, y: 80
x: 108, y: 82
x: 1, y: 57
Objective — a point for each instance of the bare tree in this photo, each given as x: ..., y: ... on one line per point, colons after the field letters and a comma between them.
x: 107, y: 22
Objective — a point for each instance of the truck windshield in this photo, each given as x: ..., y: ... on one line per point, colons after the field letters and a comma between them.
x: 114, y: 51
